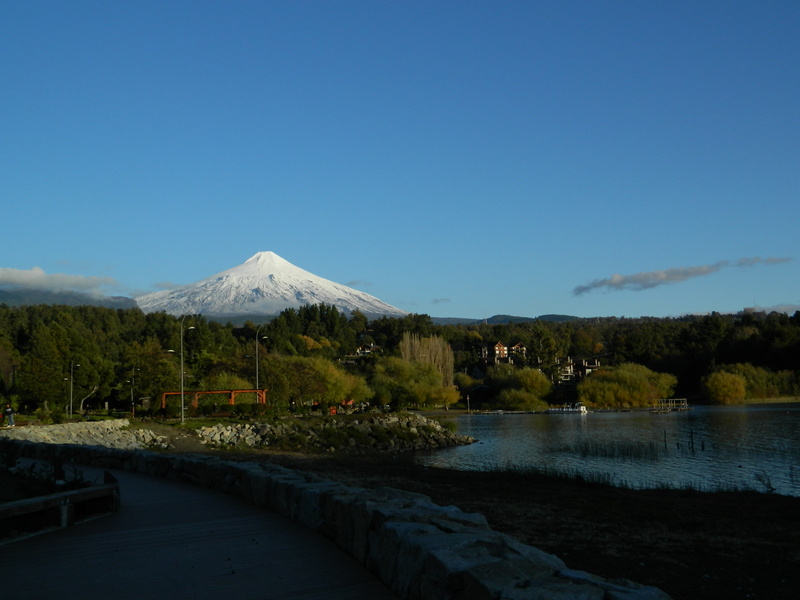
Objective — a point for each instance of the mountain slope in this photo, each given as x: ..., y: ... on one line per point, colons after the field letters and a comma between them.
x: 265, y: 284
x: 30, y: 297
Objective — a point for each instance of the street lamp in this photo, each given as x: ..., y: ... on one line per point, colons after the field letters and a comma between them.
x: 133, y: 383
x: 72, y: 366
x: 257, y: 344
x: 183, y: 401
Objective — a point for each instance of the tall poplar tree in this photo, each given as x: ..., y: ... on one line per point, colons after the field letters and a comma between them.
x: 433, y: 350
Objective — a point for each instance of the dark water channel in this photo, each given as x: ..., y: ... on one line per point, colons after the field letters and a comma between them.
x: 707, y: 448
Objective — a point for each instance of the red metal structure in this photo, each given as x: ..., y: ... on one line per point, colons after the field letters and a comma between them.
x: 260, y: 394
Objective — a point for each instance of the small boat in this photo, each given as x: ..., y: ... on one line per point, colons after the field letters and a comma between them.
x: 571, y: 408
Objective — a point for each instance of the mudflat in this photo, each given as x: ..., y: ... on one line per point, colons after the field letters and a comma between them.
x: 690, y: 544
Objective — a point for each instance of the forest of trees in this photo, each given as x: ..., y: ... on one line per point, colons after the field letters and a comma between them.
x: 54, y: 357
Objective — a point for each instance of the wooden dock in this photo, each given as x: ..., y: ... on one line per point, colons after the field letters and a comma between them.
x: 666, y: 405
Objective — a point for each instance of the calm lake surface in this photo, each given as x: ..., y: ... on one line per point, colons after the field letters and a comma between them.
x: 707, y: 448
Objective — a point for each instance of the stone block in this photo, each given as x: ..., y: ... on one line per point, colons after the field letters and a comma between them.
x: 397, y: 554
x: 617, y: 589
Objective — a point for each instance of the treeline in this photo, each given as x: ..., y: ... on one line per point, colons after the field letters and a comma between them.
x: 54, y: 357
x: 63, y: 360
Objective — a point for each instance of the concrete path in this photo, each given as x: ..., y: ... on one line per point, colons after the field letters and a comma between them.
x: 178, y: 541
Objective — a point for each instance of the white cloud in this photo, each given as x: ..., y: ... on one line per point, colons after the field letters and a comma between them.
x: 650, y: 279
x: 38, y: 279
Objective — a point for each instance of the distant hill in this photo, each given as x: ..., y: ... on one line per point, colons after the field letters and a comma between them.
x: 256, y: 291
x: 26, y: 297
x: 557, y: 318
x: 501, y: 320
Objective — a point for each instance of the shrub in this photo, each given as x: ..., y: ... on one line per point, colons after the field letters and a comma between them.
x: 763, y: 383
x: 516, y: 399
x: 629, y: 385
x: 725, y: 388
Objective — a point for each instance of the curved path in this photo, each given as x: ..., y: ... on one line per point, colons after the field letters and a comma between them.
x: 178, y: 541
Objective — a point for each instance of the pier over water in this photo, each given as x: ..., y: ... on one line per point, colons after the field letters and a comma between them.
x: 671, y: 404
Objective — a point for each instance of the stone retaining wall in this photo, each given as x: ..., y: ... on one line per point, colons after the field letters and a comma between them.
x: 418, y: 549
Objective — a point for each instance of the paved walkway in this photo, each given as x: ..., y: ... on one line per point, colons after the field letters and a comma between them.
x: 178, y: 541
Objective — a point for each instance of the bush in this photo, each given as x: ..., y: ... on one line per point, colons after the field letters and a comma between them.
x: 511, y: 399
x: 403, y: 383
x: 763, y: 383
x: 725, y: 388
x: 627, y: 386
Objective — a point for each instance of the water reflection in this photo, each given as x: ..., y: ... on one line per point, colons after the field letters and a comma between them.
x: 749, y: 447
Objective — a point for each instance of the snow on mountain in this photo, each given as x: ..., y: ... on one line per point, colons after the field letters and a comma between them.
x: 265, y: 284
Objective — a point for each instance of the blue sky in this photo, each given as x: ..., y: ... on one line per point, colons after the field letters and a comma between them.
x: 617, y: 158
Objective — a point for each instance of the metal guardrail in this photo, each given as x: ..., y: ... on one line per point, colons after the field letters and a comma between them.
x: 24, y: 518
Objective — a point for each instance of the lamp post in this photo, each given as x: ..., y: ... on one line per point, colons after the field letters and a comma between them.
x: 72, y: 366
x: 257, y: 344
x: 183, y: 402
x: 133, y: 383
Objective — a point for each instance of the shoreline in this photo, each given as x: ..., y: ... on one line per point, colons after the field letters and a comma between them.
x: 690, y: 544
x: 457, y: 412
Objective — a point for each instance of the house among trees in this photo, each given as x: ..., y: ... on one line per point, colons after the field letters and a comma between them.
x: 570, y: 372
x: 518, y: 350
x: 498, y: 353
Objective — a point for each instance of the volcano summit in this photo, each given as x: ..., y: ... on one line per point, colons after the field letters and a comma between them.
x: 265, y: 284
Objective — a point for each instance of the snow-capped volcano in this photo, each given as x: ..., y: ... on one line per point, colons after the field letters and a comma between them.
x: 265, y: 284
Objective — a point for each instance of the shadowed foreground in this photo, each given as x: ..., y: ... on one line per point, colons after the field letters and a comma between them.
x: 173, y: 540
x: 689, y: 544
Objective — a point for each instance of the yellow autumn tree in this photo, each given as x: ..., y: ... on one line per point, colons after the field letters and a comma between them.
x: 432, y: 350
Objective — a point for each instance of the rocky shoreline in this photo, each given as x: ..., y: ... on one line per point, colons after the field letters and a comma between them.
x: 418, y: 548
x: 109, y: 434
x: 371, y: 433
x: 353, y: 434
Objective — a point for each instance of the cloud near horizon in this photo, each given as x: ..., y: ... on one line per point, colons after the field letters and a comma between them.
x: 38, y: 279
x: 358, y: 283
x: 651, y: 279
x: 161, y: 286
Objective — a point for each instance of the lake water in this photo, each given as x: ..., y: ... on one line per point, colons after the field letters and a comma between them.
x: 707, y: 448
